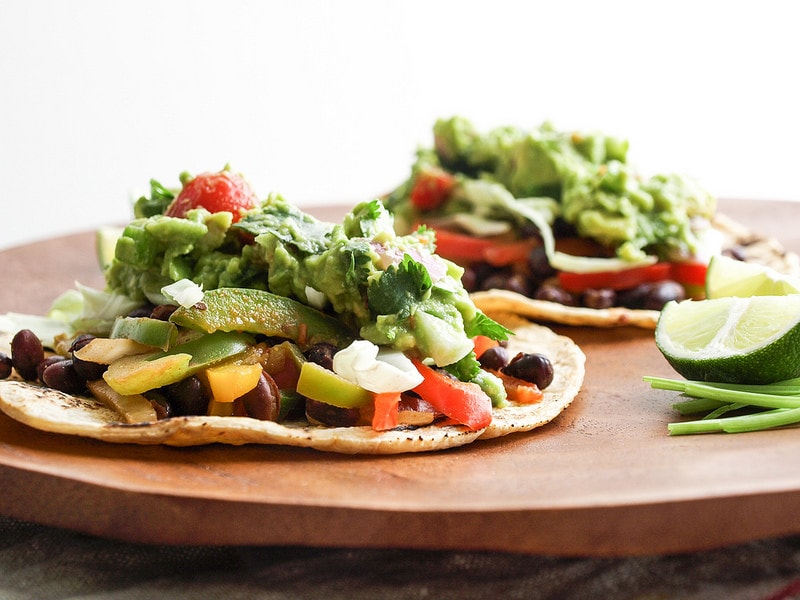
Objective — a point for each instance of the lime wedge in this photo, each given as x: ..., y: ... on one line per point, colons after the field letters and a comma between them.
x: 732, y: 339
x: 105, y: 244
x: 729, y: 277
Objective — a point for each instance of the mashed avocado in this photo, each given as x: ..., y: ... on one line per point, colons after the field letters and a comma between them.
x: 392, y: 289
x: 586, y: 175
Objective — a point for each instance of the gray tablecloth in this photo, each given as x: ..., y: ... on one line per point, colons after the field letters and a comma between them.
x: 38, y: 562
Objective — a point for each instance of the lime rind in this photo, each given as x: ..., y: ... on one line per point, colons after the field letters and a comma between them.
x: 735, y: 340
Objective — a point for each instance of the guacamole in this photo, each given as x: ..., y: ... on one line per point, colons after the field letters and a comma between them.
x: 581, y: 179
x: 392, y: 289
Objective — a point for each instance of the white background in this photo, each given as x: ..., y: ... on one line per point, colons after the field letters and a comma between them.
x: 326, y: 102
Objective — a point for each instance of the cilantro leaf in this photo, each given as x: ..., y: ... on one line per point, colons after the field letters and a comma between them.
x: 483, y: 325
x: 465, y: 369
x: 160, y: 198
x: 359, y: 261
x: 287, y: 223
x: 399, y: 288
x: 368, y: 219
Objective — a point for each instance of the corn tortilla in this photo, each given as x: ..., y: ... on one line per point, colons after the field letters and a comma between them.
x: 56, y: 412
x: 756, y: 248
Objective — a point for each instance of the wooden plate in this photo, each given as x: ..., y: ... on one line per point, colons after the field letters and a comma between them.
x: 603, y: 479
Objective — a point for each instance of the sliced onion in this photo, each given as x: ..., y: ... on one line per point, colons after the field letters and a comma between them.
x: 184, y: 292
x: 378, y: 370
x: 315, y: 298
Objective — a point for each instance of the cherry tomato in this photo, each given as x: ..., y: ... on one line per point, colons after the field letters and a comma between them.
x: 216, y: 192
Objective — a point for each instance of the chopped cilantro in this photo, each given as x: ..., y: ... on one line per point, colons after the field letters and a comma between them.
x: 399, y: 288
x: 483, y: 325
x: 158, y: 201
x: 368, y: 219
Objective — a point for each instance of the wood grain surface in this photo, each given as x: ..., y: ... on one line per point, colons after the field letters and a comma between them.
x: 603, y: 479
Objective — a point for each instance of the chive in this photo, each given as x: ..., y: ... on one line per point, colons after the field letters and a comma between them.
x: 697, y: 405
x: 756, y: 422
x: 716, y: 414
x: 772, y: 405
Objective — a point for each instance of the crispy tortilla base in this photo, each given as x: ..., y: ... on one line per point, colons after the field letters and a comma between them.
x: 53, y: 411
x: 756, y: 248
x: 568, y: 374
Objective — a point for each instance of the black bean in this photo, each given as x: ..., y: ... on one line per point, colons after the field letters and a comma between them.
x: 518, y: 283
x: 494, y: 358
x: 80, y: 341
x: 62, y: 376
x: 538, y: 264
x: 5, y: 365
x: 163, y: 312
x: 481, y: 270
x: 333, y: 416
x: 263, y: 401
x: 633, y: 297
x: 86, y: 369
x: 322, y: 354
x: 507, y: 280
x: 562, y: 229
x: 26, y: 353
x: 142, y: 311
x: 599, y: 298
x: 160, y: 404
x: 662, y: 292
x: 469, y: 279
x: 187, y: 397
x: 46, y: 363
x: 554, y: 293
x: 532, y: 367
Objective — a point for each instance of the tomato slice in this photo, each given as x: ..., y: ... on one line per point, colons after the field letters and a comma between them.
x: 431, y: 188
x: 216, y: 192
x: 687, y: 273
x: 462, y: 247
x: 615, y: 280
x: 690, y: 272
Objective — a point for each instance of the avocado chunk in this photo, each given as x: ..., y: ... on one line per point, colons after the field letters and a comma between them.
x: 257, y: 311
x: 139, y: 373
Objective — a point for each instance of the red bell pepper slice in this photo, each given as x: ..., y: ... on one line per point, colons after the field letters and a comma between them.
x: 482, y: 343
x: 520, y: 391
x: 385, y: 416
x: 464, y: 402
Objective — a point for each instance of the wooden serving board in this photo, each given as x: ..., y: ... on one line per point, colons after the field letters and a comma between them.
x: 603, y: 479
